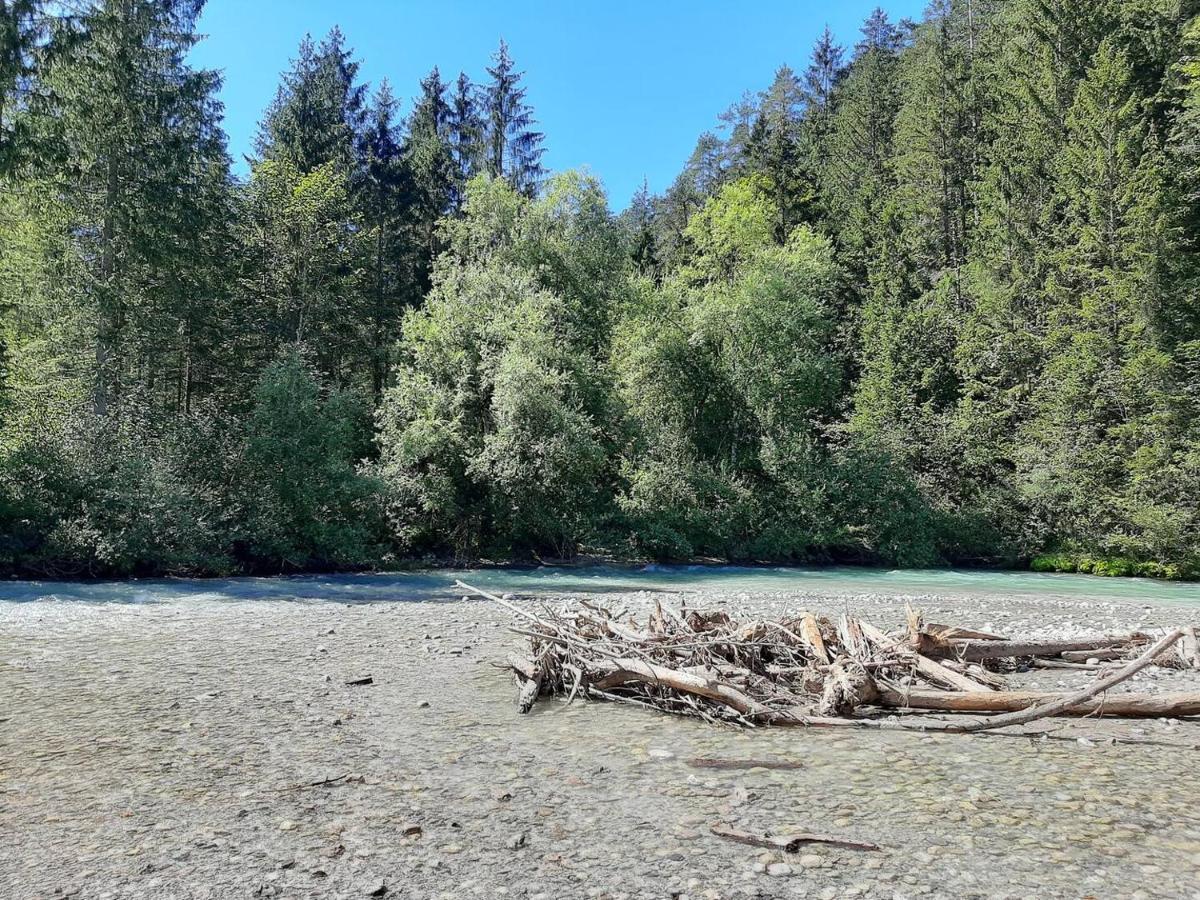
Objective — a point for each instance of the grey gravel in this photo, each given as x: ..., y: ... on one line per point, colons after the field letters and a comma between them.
x: 186, y: 749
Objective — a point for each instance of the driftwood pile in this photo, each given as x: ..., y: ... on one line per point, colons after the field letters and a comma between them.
x: 815, y: 671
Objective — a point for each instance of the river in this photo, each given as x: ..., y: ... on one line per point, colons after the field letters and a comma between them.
x: 437, y: 584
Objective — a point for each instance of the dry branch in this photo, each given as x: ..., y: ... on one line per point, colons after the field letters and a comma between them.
x: 1074, y: 701
x: 788, y: 843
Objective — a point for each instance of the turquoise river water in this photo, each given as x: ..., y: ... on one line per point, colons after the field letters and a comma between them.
x: 438, y: 584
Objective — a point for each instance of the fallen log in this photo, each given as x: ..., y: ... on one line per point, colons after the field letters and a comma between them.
x: 1074, y: 701
x: 614, y: 673
x: 951, y: 631
x: 530, y: 677
x: 1102, y: 654
x: 1189, y: 648
x: 709, y: 762
x: 788, y: 843
x: 1176, y: 705
x: 976, y: 651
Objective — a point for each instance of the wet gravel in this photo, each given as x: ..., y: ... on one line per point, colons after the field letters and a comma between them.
x: 207, y: 749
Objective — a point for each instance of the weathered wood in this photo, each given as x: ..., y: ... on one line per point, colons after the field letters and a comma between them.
x: 788, y: 843
x: 1122, y: 705
x: 930, y: 668
x: 975, y: 651
x: 708, y: 762
x: 811, y: 632
x: 1104, y: 653
x: 530, y: 678
x: 1184, y: 705
x: 1189, y: 648
x: 614, y: 673
x: 1021, y: 707
x: 951, y: 631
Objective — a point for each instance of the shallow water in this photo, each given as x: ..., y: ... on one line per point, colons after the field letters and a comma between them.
x: 439, y: 584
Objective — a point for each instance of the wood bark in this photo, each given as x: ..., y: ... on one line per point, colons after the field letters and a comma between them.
x: 789, y: 843
x: 1123, y: 705
x: 975, y: 651
x: 928, y: 667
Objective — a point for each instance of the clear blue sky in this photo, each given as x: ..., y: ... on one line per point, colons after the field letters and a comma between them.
x: 619, y: 86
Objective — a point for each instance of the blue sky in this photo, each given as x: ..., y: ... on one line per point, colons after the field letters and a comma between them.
x: 621, y: 87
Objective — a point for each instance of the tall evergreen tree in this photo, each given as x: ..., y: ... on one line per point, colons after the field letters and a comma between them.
x: 386, y: 195
x: 776, y: 148
x: 318, y: 109
x: 22, y: 23
x: 465, y: 133
x: 139, y: 187
x: 514, y: 149
x: 430, y: 159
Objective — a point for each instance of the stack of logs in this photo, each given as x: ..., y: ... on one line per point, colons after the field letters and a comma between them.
x: 811, y: 670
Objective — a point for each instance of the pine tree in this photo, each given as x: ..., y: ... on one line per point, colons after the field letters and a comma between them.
x: 318, y: 110
x: 466, y: 130
x: 139, y: 182
x: 514, y: 150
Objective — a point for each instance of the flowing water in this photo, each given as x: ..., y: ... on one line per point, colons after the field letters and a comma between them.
x: 437, y: 584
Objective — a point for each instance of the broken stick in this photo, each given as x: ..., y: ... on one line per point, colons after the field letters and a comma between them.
x: 788, y: 843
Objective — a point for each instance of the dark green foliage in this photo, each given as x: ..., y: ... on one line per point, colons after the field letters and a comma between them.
x: 303, y: 503
x: 932, y: 304
x: 318, y: 110
x: 514, y: 149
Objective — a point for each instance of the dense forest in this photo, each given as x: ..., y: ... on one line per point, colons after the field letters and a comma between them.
x: 927, y: 299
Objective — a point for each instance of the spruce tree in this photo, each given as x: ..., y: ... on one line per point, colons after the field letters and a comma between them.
x: 386, y: 196
x: 139, y: 183
x: 514, y: 149
x: 465, y: 128
x: 430, y: 160
x: 318, y: 110
x: 22, y: 25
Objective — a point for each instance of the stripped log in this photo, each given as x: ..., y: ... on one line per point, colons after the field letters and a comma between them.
x: 1189, y: 648
x: 951, y: 631
x: 530, y: 677
x: 1073, y: 701
x: 614, y: 673
x: 1102, y: 654
x: 811, y: 632
x: 1124, y: 705
x: 975, y: 651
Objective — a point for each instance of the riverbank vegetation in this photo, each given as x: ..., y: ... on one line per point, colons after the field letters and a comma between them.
x: 927, y: 299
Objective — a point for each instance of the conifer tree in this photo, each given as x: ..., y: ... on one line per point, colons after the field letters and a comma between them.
x: 22, y: 23
x: 466, y: 130
x: 318, y: 110
x: 514, y: 149
x: 430, y: 161
x: 139, y: 179
x: 386, y: 196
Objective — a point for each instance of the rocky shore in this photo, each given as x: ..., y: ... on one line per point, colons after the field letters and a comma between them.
x: 196, y: 748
